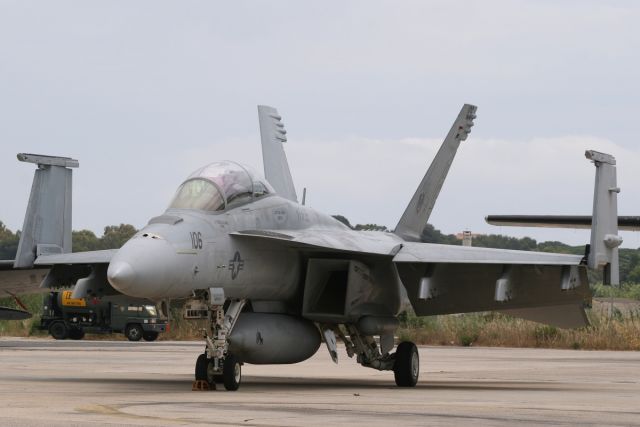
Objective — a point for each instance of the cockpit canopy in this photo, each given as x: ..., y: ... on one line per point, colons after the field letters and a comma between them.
x: 220, y: 185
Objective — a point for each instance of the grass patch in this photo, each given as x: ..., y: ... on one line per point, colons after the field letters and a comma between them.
x: 618, y: 332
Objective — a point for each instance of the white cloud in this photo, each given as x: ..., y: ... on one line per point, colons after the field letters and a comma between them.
x: 370, y: 180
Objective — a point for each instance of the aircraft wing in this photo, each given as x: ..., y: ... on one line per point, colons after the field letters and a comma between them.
x: 630, y: 223
x: 435, y: 253
x: 446, y: 279
x: 538, y: 286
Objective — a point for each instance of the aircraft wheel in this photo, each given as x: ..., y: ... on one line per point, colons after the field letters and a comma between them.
x: 231, y: 373
x: 134, y: 332
x: 201, y: 367
x: 76, y: 333
x: 205, y: 372
x: 150, y: 336
x: 406, y: 367
x: 58, y: 330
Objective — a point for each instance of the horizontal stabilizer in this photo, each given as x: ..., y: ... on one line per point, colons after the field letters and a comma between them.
x: 13, y: 314
x: 628, y: 223
x: 568, y: 316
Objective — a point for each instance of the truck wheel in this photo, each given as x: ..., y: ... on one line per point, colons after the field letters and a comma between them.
x: 58, y: 330
x: 133, y: 332
x: 76, y: 333
x: 231, y: 373
x: 150, y: 336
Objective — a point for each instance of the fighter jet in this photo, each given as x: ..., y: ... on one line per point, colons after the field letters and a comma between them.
x: 275, y: 278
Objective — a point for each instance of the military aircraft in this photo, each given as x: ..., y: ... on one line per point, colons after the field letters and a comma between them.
x: 275, y: 278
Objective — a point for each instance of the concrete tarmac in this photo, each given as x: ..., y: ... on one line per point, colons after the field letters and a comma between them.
x: 68, y: 383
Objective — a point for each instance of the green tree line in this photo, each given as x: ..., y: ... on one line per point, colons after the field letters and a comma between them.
x: 114, y: 236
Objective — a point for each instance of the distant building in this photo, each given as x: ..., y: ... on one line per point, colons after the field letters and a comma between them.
x: 467, y: 237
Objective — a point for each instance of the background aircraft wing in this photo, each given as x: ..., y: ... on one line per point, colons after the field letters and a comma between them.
x: 442, y: 279
x: 630, y: 223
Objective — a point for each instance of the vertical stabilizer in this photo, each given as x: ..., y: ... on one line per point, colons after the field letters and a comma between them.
x: 276, y: 168
x: 417, y: 214
x: 47, y: 222
x: 603, y: 252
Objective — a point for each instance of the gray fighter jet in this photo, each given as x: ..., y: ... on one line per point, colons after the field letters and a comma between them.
x: 275, y: 278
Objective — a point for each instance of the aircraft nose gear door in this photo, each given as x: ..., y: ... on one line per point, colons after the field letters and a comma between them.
x: 216, y: 364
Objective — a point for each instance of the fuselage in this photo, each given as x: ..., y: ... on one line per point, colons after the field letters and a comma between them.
x: 184, y: 250
x: 200, y: 242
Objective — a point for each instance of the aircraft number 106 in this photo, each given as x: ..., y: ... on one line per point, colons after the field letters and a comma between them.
x: 196, y: 239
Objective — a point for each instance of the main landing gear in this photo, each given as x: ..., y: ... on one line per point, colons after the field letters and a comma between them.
x: 405, y: 362
x: 216, y: 364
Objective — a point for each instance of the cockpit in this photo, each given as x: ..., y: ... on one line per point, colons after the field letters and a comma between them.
x: 219, y: 186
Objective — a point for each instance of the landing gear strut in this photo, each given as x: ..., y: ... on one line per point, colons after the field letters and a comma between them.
x: 216, y: 364
x: 405, y: 362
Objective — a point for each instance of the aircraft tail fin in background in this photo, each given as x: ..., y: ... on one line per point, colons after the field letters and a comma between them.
x: 47, y: 222
x: 276, y: 168
x: 417, y: 214
x: 603, y: 251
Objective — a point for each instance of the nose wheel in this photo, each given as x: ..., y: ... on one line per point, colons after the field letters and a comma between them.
x: 231, y: 376
x: 217, y: 364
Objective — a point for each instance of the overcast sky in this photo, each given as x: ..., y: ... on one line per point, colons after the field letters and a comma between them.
x: 142, y: 93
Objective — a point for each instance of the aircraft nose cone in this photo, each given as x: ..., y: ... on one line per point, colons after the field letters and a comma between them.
x: 121, y: 275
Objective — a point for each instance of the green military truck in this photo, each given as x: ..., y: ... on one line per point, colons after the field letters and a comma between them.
x: 66, y: 317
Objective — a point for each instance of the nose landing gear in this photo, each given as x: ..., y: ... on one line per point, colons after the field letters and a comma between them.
x: 216, y: 364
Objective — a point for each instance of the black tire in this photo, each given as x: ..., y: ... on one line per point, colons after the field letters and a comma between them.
x: 406, y: 368
x: 150, y: 336
x: 231, y: 373
x: 59, y: 330
x: 134, y: 332
x: 201, y: 367
x: 205, y: 370
x: 76, y: 333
